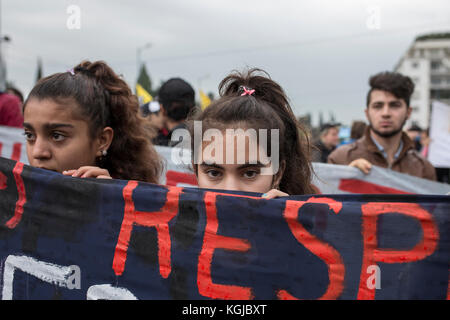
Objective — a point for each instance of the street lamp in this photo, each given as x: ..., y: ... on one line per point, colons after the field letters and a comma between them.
x: 3, y: 64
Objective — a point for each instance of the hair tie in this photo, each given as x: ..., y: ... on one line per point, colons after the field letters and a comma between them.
x: 246, y: 91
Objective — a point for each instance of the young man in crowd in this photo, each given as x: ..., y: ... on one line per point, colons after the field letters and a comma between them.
x: 177, y: 99
x: 384, y: 143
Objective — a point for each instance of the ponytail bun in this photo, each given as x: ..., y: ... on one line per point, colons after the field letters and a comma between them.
x: 131, y: 155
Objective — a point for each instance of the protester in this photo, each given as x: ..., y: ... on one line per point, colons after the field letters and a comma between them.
x: 10, y: 110
x: 384, y: 143
x: 414, y: 133
x: 85, y: 123
x: 357, y: 130
x: 328, y: 141
x: 177, y: 98
x: 251, y: 100
x: 425, y: 142
x: 16, y: 92
x: 154, y: 117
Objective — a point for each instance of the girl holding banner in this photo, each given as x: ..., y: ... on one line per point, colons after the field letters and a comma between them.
x: 255, y: 110
x: 85, y: 123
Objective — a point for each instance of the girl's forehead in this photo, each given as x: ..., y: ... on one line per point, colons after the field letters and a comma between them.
x: 52, y: 110
x: 231, y: 149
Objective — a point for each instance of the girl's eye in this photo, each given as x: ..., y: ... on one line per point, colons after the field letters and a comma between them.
x: 28, y: 136
x: 250, y: 174
x: 213, y: 174
x: 57, y: 136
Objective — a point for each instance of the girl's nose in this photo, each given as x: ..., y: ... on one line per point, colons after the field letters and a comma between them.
x: 231, y: 183
x: 40, y: 149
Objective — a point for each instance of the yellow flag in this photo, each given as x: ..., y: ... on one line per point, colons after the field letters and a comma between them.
x: 204, y: 100
x: 143, y: 95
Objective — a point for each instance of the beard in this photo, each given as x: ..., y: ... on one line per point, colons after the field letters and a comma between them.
x: 388, y: 134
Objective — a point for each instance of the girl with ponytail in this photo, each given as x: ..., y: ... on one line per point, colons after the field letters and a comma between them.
x: 85, y: 123
x: 251, y: 101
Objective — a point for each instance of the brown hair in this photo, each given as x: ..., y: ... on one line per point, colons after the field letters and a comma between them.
x: 267, y: 108
x: 399, y: 85
x: 357, y: 130
x: 104, y: 99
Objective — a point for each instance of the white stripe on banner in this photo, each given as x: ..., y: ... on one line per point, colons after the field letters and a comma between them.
x: 329, y: 179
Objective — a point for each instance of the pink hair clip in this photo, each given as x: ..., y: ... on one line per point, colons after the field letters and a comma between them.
x: 72, y: 72
x: 247, y: 91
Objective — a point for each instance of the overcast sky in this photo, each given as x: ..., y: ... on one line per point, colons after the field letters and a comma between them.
x: 321, y: 52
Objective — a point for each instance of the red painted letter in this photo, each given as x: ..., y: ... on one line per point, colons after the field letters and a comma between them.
x: 17, y: 171
x: 160, y: 220
x: 211, y: 242
x: 336, y: 269
x: 373, y: 254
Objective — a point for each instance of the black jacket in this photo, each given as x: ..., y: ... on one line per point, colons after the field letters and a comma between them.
x: 320, y: 153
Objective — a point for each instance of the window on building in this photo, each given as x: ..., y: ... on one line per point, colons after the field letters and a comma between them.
x: 440, y: 94
x: 435, y: 64
x: 414, y: 64
x: 434, y: 53
x: 435, y: 80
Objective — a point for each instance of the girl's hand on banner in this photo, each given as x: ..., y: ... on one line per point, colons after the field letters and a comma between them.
x: 274, y: 193
x: 88, y: 172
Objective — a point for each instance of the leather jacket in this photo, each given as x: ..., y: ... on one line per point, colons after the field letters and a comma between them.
x: 409, y: 160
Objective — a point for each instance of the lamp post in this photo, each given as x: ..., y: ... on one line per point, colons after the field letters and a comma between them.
x: 138, y: 57
x: 2, y: 63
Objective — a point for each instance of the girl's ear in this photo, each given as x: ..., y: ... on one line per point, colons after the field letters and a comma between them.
x: 277, y: 177
x: 104, y: 140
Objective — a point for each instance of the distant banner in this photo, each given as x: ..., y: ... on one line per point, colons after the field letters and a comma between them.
x: 439, y: 152
x: 328, y: 178
x: 13, y: 144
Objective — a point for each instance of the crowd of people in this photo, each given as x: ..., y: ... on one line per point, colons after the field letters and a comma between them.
x: 87, y: 122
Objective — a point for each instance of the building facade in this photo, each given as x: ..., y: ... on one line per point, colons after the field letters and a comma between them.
x: 427, y: 63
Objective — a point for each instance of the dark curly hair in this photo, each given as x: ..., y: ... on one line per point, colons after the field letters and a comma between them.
x: 267, y: 108
x: 104, y: 99
x: 399, y: 85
